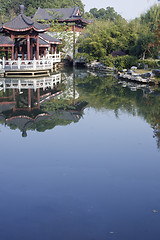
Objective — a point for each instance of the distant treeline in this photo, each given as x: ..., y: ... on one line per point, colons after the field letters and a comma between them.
x: 10, y: 8
x: 110, y: 32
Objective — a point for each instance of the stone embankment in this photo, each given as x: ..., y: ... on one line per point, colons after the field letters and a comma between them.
x: 100, y: 67
x: 133, y: 76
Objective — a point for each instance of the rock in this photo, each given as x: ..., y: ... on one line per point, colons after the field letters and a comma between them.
x: 133, y: 68
x: 156, y: 72
x: 124, y: 70
x: 146, y: 75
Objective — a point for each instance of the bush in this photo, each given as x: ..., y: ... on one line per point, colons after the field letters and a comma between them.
x: 108, y: 61
x: 125, y: 62
x: 149, y: 63
x: 85, y: 56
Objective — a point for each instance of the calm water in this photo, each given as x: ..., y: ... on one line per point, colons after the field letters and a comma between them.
x: 88, y: 166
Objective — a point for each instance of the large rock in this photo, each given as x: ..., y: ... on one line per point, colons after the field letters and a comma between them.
x: 156, y: 72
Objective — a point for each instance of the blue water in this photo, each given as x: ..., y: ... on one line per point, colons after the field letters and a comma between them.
x: 95, y: 179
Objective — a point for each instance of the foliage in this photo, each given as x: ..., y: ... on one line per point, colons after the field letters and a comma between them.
x: 110, y: 32
x: 151, y: 17
x: 104, y: 14
x: 125, y: 62
x: 150, y: 63
x: 104, y: 37
x: 108, y: 61
x: 8, y: 8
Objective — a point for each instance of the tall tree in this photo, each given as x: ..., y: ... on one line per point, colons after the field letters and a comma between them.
x: 31, y: 6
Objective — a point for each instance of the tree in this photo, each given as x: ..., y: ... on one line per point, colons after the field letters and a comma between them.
x: 31, y: 6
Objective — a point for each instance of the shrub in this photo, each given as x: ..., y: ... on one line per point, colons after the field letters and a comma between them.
x: 149, y: 63
x: 108, y: 61
x: 125, y: 62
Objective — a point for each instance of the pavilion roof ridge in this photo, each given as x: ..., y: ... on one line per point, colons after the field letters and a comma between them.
x: 25, y: 18
x: 24, y: 23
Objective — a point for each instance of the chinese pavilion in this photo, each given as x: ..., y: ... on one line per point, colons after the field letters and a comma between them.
x: 67, y: 15
x: 25, y: 37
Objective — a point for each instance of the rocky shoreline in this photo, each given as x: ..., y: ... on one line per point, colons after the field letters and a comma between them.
x: 133, y: 76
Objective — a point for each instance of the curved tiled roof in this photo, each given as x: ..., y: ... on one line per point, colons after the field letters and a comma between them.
x: 5, y: 40
x: 49, y: 39
x: 24, y: 23
x: 55, y: 13
x: 43, y: 43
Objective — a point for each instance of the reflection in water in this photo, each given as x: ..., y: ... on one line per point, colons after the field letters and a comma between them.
x: 96, y: 179
x: 136, y: 99
x: 40, y: 104
x: 31, y: 103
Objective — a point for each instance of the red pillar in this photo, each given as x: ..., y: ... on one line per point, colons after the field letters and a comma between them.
x: 37, y: 47
x: 16, y: 49
x: 55, y: 49
x: 16, y: 53
x: 23, y: 51
x: 12, y: 51
x: 44, y: 52
x: 31, y: 49
x: 28, y: 47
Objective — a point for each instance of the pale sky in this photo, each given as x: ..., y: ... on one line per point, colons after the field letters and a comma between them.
x: 129, y: 9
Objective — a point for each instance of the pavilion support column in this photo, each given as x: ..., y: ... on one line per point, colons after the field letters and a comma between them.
x: 28, y: 48
x: 44, y: 52
x: 31, y: 49
x: 16, y: 53
x: 16, y: 50
x: 55, y: 50
x: 23, y: 51
x: 37, y: 47
x: 12, y: 50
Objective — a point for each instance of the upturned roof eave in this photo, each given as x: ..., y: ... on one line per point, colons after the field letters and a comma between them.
x: 25, y: 29
x: 55, y: 42
x: 41, y: 45
x: 50, y: 42
x: 6, y: 45
x: 72, y: 20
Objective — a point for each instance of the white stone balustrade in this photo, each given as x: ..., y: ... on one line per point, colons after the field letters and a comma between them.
x: 41, y: 64
x: 56, y: 57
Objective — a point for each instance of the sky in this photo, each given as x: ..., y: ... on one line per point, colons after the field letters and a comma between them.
x: 129, y: 9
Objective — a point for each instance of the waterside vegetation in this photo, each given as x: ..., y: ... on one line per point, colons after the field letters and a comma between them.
x: 132, y: 41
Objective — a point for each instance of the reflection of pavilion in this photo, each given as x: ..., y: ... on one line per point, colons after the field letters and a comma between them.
x: 20, y: 102
x: 27, y: 92
x: 19, y: 84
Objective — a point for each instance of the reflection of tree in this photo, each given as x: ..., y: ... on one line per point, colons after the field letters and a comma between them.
x: 105, y: 92
x: 37, y: 110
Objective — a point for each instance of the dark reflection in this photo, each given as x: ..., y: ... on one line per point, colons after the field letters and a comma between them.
x: 38, y: 104
x: 41, y: 104
x: 136, y: 99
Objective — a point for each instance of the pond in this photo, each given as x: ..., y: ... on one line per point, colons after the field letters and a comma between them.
x: 79, y: 159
